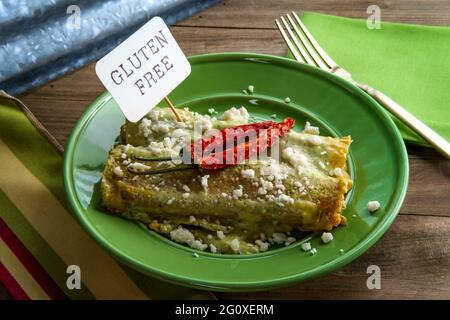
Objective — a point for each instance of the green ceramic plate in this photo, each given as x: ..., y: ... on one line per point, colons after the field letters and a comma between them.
x: 378, y: 163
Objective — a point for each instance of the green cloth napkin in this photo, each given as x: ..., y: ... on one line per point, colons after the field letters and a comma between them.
x: 409, y: 63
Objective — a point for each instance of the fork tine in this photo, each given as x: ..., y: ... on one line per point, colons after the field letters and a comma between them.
x: 305, y: 55
x: 317, y: 60
x: 326, y: 58
x: 289, y: 43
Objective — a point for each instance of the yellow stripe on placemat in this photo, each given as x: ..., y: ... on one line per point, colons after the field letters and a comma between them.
x: 99, y: 272
x: 20, y: 274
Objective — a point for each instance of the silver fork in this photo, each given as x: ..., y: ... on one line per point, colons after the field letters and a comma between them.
x: 307, y: 50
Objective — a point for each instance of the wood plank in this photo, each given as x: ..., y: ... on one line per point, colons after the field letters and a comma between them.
x: 261, y: 13
x: 413, y: 256
x: 429, y: 186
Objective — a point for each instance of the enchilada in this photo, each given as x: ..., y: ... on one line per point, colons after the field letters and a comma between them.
x: 244, y: 208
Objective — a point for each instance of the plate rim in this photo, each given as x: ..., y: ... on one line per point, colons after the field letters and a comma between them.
x: 358, y: 250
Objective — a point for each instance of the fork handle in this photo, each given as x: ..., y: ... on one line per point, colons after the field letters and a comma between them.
x: 437, y: 141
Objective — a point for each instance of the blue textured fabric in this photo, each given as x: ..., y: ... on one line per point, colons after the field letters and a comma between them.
x: 41, y: 40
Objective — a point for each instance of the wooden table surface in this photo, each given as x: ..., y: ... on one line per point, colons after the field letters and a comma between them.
x: 414, y: 254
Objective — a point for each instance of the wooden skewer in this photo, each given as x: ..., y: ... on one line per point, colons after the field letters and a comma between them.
x: 173, y: 109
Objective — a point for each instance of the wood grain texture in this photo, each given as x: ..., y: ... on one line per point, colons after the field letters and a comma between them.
x: 414, y: 253
x: 413, y: 256
x: 261, y: 13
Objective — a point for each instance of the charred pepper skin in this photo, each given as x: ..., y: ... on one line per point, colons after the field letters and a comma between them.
x: 267, y: 133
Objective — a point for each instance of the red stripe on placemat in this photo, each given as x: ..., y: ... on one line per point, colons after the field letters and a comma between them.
x: 11, y: 284
x: 30, y: 263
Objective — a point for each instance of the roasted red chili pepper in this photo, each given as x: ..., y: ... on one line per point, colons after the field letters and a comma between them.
x: 224, y: 138
x: 267, y: 133
x: 230, y: 146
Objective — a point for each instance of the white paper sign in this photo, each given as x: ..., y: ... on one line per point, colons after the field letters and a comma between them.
x: 143, y: 69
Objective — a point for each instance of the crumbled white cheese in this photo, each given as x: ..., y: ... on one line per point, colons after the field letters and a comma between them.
x: 204, y: 182
x: 263, y: 246
x: 181, y: 125
x: 336, y: 172
x: 306, y: 246
x: 237, y: 193
x: 251, y: 89
x: 233, y: 114
x: 118, y: 172
x: 280, y: 186
x: 126, y: 148
x: 177, y: 133
x: 192, y: 219
x: 294, y: 158
x: 183, y: 235
x: 224, y: 195
x: 289, y: 241
x: 273, y: 116
x: 272, y: 168
x: 154, y: 114
x: 326, y: 237
x: 212, y: 248
x: 248, y: 173
x: 220, y: 234
x: 206, y: 123
x: 373, y: 206
x: 287, y: 100
x: 279, y: 238
x: 313, y: 251
x: 235, y: 245
x: 197, y: 244
x: 138, y: 167
x: 210, y: 236
x: 170, y: 201
x: 123, y: 155
x: 262, y: 191
x: 311, y: 129
x: 186, y: 188
x: 287, y: 152
x: 144, y: 127
x: 298, y: 184
x: 266, y: 184
x: 168, y: 142
x: 155, y: 150
x: 211, y: 111
x: 314, y: 140
x: 285, y: 198
x: 160, y: 128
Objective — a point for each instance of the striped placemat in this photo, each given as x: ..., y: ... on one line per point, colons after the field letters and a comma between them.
x: 39, y: 238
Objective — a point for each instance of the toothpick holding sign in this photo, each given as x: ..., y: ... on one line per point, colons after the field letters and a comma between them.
x: 144, y: 69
